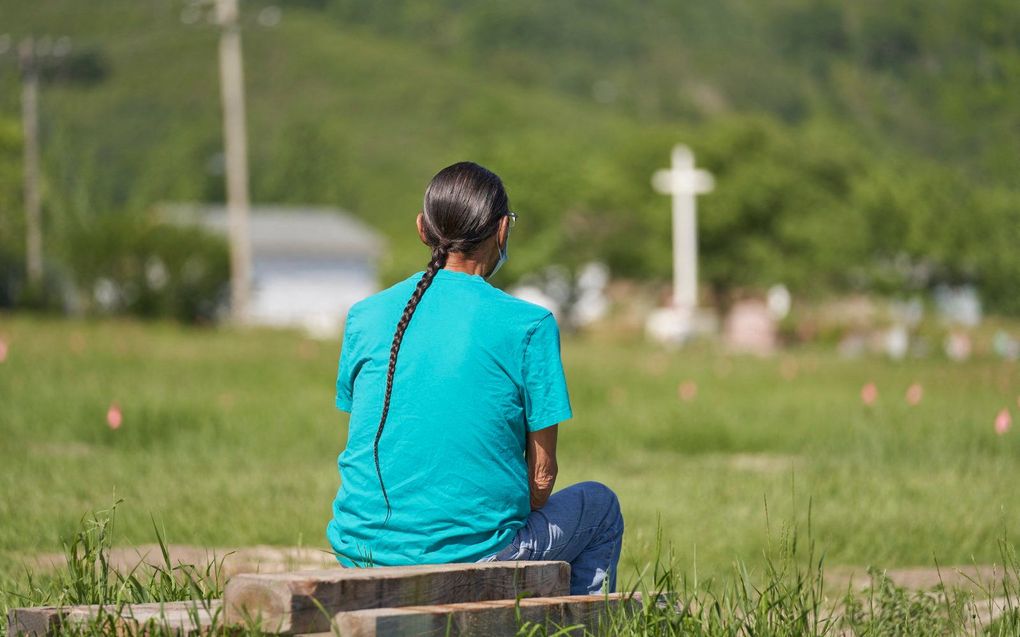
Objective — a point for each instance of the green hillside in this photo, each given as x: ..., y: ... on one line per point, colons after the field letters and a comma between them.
x: 845, y: 135
x: 933, y: 76
x: 346, y: 118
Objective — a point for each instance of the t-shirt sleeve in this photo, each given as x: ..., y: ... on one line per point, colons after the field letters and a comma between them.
x: 546, y: 401
x: 346, y: 369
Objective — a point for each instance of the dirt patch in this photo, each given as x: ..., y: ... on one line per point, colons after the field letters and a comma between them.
x: 61, y: 450
x: 977, y: 578
x: 762, y: 462
x: 252, y: 559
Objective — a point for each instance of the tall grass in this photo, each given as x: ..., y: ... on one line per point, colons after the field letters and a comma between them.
x: 788, y: 598
x: 88, y: 577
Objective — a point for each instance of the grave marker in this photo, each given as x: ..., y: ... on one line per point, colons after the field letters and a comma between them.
x: 684, y: 182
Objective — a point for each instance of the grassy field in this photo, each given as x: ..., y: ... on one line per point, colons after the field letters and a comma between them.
x: 229, y: 438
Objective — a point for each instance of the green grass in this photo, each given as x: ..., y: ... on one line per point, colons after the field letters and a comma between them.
x: 230, y: 438
x: 788, y: 598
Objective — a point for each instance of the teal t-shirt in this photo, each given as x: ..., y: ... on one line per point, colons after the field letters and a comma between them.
x: 477, y: 369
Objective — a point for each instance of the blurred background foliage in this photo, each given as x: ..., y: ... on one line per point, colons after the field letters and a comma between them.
x: 858, y: 145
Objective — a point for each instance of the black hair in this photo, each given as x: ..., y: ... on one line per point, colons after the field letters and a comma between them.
x: 463, y: 206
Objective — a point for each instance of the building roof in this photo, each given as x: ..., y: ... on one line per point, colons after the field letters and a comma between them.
x: 287, y: 230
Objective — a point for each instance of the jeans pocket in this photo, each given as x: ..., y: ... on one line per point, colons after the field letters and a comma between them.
x: 510, y: 552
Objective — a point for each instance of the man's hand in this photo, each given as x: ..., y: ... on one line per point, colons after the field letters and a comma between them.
x: 541, y: 456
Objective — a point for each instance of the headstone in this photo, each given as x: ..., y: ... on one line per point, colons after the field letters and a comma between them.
x: 750, y: 328
x: 958, y: 346
x: 673, y: 326
x: 896, y: 342
x: 959, y: 305
x: 908, y: 313
x: 853, y: 345
x: 591, y: 304
x: 779, y: 301
x: 552, y: 288
x: 668, y: 325
x: 536, y: 295
x: 1006, y: 346
x: 107, y: 294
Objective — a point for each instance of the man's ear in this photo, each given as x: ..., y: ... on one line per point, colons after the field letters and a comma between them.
x: 503, y: 232
x: 421, y: 230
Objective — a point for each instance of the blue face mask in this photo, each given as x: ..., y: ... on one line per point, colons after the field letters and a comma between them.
x: 502, y: 256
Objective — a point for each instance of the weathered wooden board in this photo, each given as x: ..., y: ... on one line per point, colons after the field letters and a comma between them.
x: 180, y: 618
x: 488, y: 619
x: 305, y: 602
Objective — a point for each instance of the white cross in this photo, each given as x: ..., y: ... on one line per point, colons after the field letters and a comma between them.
x: 684, y: 182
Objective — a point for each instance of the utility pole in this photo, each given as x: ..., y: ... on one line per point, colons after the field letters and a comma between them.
x: 30, y: 125
x: 235, y: 144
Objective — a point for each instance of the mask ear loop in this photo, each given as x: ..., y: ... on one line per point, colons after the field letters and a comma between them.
x: 503, y: 256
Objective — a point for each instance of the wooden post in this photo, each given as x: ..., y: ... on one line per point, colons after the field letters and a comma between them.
x: 235, y: 143
x: 30, y: 126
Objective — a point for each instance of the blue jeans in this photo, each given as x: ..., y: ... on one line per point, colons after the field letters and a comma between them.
x: 581, y: 524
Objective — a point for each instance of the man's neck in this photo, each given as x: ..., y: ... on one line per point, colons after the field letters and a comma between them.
x: 458, y: 262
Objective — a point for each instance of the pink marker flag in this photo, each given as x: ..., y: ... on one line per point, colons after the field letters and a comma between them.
x: 3, y: 350
x: 869, y: 394
x: 914, y: 394
x: 113, y: 416
x: 1003, y: 421
x: 688, y: 391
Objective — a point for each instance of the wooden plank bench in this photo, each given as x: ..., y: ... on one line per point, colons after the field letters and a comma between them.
x: 307, y: 602
x: 496, y: 618
x: 178, y: 618
x: 490, y: 598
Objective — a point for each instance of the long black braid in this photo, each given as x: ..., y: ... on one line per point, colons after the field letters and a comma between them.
x: 464, y: 204
x: 439, y: 254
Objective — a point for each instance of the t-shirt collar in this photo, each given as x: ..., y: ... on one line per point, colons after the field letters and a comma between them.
x: 454, y: 275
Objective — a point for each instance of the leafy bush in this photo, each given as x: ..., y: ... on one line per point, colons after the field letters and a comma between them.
x: 124, y: 264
